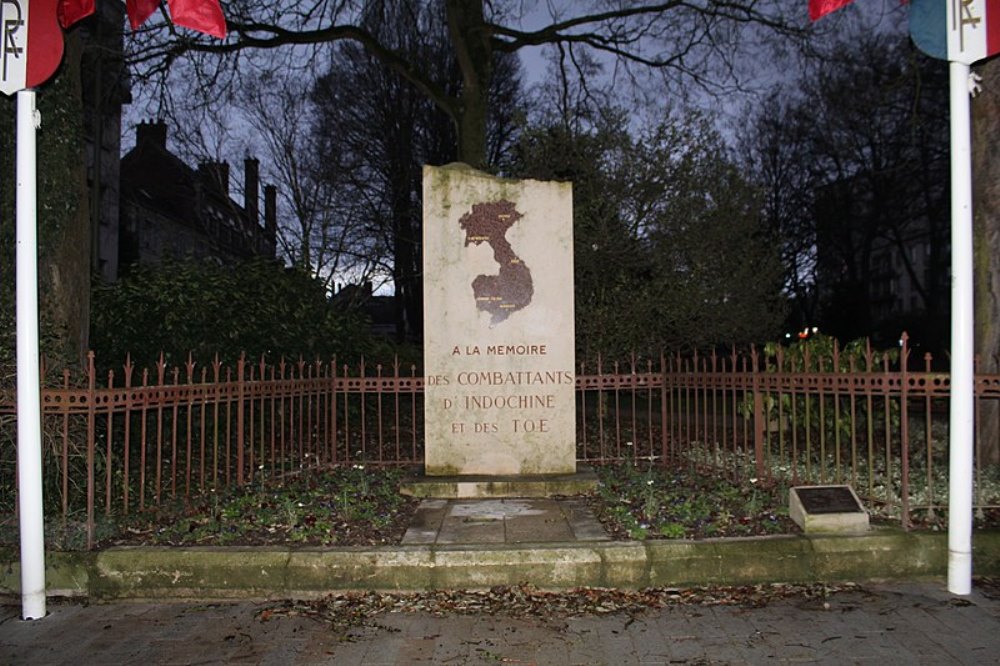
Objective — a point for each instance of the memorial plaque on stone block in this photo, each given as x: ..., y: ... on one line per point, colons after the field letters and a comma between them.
x: 828, y: 499
x: 498, y: 325
x: 827, y: 509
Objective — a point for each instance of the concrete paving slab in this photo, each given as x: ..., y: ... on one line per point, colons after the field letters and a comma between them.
x: 582, y: 520
x: 426, y: 523
x: 550, y: 527
x: 512, y: 520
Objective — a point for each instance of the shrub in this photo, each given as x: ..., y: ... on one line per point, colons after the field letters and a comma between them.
x: 255, y: 307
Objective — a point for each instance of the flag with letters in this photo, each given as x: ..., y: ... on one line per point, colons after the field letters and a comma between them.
x: 965, y: 31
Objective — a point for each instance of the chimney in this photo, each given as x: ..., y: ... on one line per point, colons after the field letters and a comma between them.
x: 251, y: 190
x: 153, y: 132
x: 216, y: 174
x: 271, y: 211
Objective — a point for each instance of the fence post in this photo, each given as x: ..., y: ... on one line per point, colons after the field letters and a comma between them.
x: 333, y: 410
x: 664, y: 452
x: 240, y: 408
x: 91, y: 419
x: 128, y: 369
x: 904, y: 430
x: 759, y: 417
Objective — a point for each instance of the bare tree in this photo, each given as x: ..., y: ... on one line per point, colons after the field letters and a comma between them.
x: 319, y: 228
x: 778, y: 157
x: 854, y: 164
x: 698, y: 40
x: 374, y: 131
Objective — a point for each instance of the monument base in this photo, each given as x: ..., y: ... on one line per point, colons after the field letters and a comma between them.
x: 495, y: 487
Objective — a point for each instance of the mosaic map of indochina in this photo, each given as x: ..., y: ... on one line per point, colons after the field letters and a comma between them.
x: 511, y: 289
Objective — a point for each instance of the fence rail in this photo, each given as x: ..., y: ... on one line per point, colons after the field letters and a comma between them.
x: 139, y: 438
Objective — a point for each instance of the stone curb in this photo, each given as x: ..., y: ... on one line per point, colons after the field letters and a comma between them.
x: 226, y: 573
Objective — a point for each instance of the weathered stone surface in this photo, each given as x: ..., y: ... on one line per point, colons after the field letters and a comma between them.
x: 320, y: 571
x: 67, y: 574
x: 683, y: 562
x: 219, y: 573
x: 134, y: 572
x: 827, y: 510
x: 764, y: 559
x: 890, y: 552
x: 498, y: 325
x: 471, y: 487
x: 543, y: 566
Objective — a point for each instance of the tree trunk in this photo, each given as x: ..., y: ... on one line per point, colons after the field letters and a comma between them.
x: 471, y: 40
x: 986, y: 227
x: 65, y: 267
x: 63, y: 219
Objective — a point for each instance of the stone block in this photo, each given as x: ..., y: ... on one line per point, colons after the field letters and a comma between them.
x: 147, y: 573
x: 317, y: 572
x: 499, y: 345
x: 486, y: 487
x: 827, y: 510
x: 545, y: 567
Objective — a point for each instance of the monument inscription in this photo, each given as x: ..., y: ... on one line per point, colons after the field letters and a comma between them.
x: 498, y: 325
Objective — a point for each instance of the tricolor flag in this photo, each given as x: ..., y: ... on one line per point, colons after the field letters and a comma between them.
x: 973, y: 30
x: 820, y: 8
x: 963, y: 31
x: 201, y: 15
x: 32, y: 44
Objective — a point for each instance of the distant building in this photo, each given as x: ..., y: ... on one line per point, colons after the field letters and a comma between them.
x: 883, y: 264
x: 170, y: 210
x: 380, y: 310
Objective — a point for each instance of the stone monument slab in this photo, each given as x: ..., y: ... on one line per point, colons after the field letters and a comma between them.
x: 498, y: 325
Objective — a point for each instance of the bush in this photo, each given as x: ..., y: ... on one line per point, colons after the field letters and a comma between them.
x: 255, y: 307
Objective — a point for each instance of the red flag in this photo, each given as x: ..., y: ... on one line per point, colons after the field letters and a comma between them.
x: 71, y: 11
x: 820, y: 8
x: 139, y: 11
x: 201, y: 15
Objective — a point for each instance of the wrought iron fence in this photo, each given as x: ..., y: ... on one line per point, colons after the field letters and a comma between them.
x: 141, y: 437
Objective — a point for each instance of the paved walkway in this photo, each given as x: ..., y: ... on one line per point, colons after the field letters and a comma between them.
x: 495, y: 521
x: 887, y: 624
x: 897, y: 624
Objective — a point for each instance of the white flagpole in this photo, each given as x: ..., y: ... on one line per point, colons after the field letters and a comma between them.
x: 961, y: 430
x: 29, y: 431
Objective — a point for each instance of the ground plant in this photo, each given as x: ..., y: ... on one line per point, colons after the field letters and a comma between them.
x: 343, y: 506
x: 360, y: 505
x: 648, y: 501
